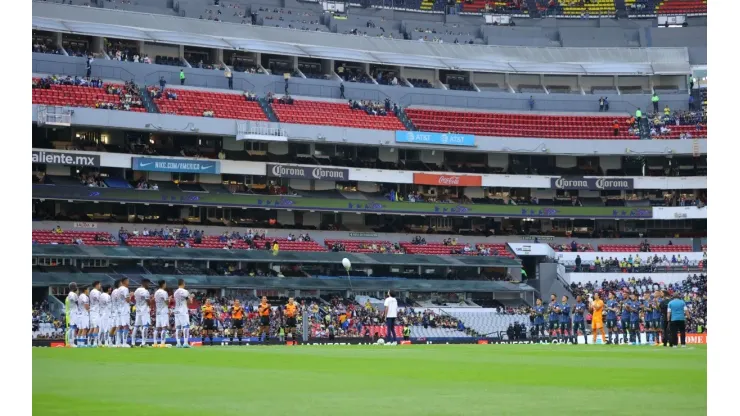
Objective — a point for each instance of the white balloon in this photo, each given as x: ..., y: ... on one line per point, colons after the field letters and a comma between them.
x: 346, y: 263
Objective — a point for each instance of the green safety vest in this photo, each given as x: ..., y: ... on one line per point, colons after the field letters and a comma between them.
x: 406, y: 331
x: 182, y: 75
x: 282, y: 331
x: 638, y: 114
x: 655, y: 98
x: 699, y: 329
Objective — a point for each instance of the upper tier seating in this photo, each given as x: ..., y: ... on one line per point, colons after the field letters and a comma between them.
x: 356, y: 246
x: 67, y: 237
x: 441, y: 249
x: 213, y: 242
x: 223, y: 105
x: 333, y: 114
x: 672, y: 7
x: 77, y: 96
x: 634, y: 248
x: 530, y: 125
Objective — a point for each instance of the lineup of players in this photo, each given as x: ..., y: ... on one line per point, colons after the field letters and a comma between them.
x: 560, y: 321
x: 101, y: 316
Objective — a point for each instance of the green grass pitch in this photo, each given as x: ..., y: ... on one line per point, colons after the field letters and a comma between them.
x: 372, y: 380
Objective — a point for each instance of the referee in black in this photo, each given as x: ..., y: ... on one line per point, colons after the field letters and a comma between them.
x: 665, y: 323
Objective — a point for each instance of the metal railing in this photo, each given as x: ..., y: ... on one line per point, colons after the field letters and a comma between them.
x: 49, y: 115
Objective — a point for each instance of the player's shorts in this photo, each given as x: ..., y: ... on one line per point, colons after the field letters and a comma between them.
x: 565, y: 326
x: 163, y: 319
x: 143, y: 319
x: 83, y: 321
x: 552, y: 326
x: 94, y: 320
x: 539, y: 328
x: 264, y: 321
x: 237, y: 323
x: 290, y: 322
x: 182, y: 319
x: 611, y: 323
x: 209, y: 325
x: 124, y: 317
x: 597, y: 324
x: 635, y: 325
x: 104, y: 322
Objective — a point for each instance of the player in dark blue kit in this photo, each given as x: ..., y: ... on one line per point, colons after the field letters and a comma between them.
x: 647, y: 316
x: 552, y: 319
x: 657, y: 318
x: 539, y: 320
x: 612, y: 309
x: 579, y: 323
x: 625, y: 320
x: 565, y: 324
x: 634, y: 307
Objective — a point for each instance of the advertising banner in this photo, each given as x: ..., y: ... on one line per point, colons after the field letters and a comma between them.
x: 176, y: 165
x: 275, y: 170
x: 442, y: 139
x: 65, y: 158
x: 593, y: 184
x: 447, y: 180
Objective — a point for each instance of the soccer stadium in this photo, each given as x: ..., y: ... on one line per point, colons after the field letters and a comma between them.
x: 427, y: 207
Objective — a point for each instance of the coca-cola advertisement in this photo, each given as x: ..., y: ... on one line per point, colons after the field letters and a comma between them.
x: 447, y: 180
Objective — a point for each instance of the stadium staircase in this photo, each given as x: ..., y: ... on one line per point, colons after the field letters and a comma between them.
x: 621, y: 7
x: 405, y: 120
x: 267, y: 108
x: 146, y: 99
x: 534, y: 11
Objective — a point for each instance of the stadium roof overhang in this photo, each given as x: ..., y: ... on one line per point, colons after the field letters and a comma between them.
x: 250, y: 282
x: 94, y: 21
x: 263, y: 256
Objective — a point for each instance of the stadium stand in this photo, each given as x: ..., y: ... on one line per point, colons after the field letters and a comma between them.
x: 336, y: 114
x: 78, y: 92
x: 198, y: 103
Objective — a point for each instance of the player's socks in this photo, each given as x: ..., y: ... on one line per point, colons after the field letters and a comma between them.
x: 177, y: 336
x: 164, y: 337
x: 144, y: 333
x: 156, y: 332
x: 186, y: 337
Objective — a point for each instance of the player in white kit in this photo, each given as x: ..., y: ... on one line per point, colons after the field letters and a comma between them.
x: 104, y: 324
x: 143, y: 320
x: 115, y: 331
x: 70, y: 309
x: 124, y: 313
x: 83, y: 317
x: 94, y: 334
x: 182, y: 314
x: 162, y: 304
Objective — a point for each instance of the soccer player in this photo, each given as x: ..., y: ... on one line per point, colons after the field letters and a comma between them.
x: 115, y: 330
x: 237, y: 321
x: 597, y: 317
x: 264, y: 310
x: 612, y: 309
x: 578, y: 321
x: 539, y: 320
x: 209, y: 322
x: 634, y: 307
x: 124, y: 313
x: 552, y: 319
x: 162, y: 307
x: 657, y: 321
x: 83, y: 317
x: 565, y: 324
x: 291, y: 312
x: 70, y: 307
x: 182, y: 316
x: 647, y: 317
x: 95, y: 314
x: 143, y: 318
x: 105, y: 317
x: 625, y: 320
x: 665, y: 323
